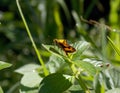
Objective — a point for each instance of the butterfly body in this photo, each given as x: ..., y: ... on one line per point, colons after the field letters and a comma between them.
x: 65, y: 46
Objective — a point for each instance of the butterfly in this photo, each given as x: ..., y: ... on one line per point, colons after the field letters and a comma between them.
x: 62, y: 43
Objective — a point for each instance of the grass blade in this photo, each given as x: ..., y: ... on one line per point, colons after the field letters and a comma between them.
x: 114, y: 46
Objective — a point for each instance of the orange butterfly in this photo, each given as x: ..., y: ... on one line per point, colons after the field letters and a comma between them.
x: 64, y: 45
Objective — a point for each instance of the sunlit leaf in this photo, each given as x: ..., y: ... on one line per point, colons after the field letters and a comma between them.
x: 86, y: 66
x: 31, y: 80
x: 27, y: 68
x: 116, y: 90
x: 80, y: 47
x: 114, y: 76
x: 55, y: 64
x: 4, y: 65
x: 97, y: 63
x: 75, y: 89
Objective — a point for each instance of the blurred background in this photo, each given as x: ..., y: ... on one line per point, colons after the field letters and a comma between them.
x: 47, y: 20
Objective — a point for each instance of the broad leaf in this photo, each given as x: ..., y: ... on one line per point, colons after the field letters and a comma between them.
x: 27, y: 68
x: 97, y: 63
x: 55, y: 83
x: 75, y: 89
x: 30, y: 75
x: 55, y: 64
x: 112, y: 78
x: 80, y: 47
x: 31, y: 80
x: 4, y: 65
x: 115, y: 90
x: 86, y: 66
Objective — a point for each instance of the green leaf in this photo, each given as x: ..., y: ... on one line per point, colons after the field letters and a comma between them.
x: 55, y: 83
x: 86, y: 66
x: 55, y: 64
x: 31, y: 80
x: 115, y: 90
x: 53, y: 49
x: 27, y: 68
x: 114, y: 46
x: 28, y: 90
x: 99, y: 84
x: 4, y: 65
x: 97, y: 63
x: 114, y: 76
x: 1, y: 91
x: 76, y: 89
x: 80, y: 47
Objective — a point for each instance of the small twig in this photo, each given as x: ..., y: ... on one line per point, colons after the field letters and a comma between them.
x: 93, y: 22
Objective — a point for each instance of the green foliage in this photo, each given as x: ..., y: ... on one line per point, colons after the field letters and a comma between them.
x: 4, y: 65
x: 61, y: 65
x: 92, y: 68
x: 99, y: 84
x: 29, y: 85
x: 1, y: 91
x: 86, y: 66
x: 72, y: 61
x: 55, y: 83
x: 116, y: 90
x: 80, y: 46
x: 29, y: 71
x: 114, y: 46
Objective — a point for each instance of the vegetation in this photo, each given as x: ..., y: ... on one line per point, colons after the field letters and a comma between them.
x: 58, y: 46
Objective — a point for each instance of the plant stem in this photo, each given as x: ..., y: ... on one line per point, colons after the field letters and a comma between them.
x: 82, y: 84
x: 79, y: 79
x: 32, y: 41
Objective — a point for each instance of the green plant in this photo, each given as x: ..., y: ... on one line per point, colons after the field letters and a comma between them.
x: 80, y: 71
x: 64, y: 71
x: 74, y: 62
x: 4, y: 65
